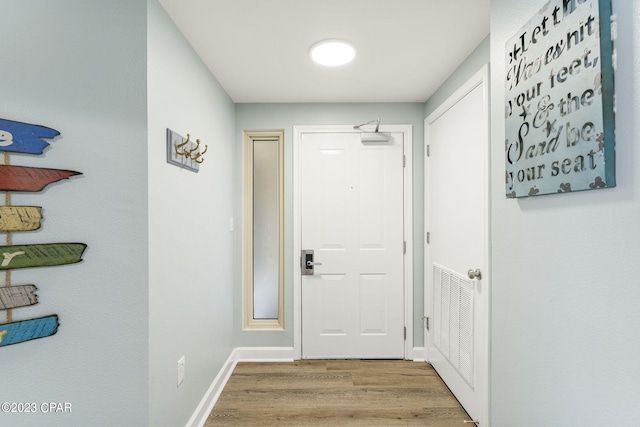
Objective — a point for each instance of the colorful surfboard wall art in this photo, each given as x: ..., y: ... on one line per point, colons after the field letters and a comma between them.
x: 17, y: 296
x: 27, y: 330
x: 20, y: 218
x: 25, y: 138
x: 23, y: 178
x: 41, y: 255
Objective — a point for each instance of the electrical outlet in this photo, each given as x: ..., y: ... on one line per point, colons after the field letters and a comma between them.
x: 181, y: 370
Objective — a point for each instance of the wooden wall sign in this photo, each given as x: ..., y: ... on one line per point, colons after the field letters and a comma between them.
x: 17, y: 296
x: 24, y: 137
x: 27, y: 330
x: 27, y: 139
x: 40, y: 255
x: 20, y: 218
x: 559, y: 105
x: 23, y: 178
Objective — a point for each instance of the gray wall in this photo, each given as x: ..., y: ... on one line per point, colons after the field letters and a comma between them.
x: 565, y: 325
x: 80, y: 67
x: 156, y: 281
x: 476, y: 60
x: 565, y: 318
x: 190, y: 244
x: 285, y: 116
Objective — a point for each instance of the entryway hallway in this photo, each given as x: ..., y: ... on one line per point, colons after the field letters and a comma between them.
x: 336, y: 393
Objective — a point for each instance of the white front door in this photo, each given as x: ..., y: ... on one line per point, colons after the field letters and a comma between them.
x: 352, y: 218
x: 456, y: 215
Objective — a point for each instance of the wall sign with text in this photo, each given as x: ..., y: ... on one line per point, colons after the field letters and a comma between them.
x: 560, y: 101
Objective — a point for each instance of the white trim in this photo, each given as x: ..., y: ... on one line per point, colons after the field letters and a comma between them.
x: 204, y: 408
x: 479, y: 78
x: 239, y: 354
x: 264, y: 354
x: 408, y: 237
x: 418, y: 354
x: 407, y: 131
x: 476, y: 80
x: 249, y: 137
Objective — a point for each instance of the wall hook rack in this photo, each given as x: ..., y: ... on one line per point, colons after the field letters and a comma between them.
x: 183, y: 152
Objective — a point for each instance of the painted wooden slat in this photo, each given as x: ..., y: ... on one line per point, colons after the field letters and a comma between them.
x: 17, y: 296
x: 40, y: 255
x: 27, y: 330
x: 23, y: 178
x: 24, y: 137
x: 20, y: 218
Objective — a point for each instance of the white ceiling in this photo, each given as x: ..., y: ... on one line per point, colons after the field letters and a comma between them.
x: 259, y: 49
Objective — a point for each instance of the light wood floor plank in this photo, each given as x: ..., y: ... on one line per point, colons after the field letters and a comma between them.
x: 336, y: 393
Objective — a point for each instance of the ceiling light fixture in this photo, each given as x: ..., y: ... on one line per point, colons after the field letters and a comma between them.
x: 333, y: 53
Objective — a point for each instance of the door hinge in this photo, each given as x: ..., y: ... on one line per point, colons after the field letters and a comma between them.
x: 405, y: 333
x: 404, y: 247
x: 428, y: 237
x: 426, y: 322
x: 404, y: 161
x: 428, y: 150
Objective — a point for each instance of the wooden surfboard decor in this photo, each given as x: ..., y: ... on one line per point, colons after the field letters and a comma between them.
x: 26, y: 138
x: 40, y: 255
x: 27, y: 330
x: 23, y: 178
x: 20, y: 218
x: 21, y: 137
x: 17, y: 296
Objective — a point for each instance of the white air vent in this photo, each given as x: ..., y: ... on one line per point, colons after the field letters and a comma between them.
x: 453, y: 319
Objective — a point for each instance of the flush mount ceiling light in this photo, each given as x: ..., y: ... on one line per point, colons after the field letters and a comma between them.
x: 333, y: 53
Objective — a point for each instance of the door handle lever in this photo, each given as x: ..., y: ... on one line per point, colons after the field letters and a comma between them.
x: 307, y: 263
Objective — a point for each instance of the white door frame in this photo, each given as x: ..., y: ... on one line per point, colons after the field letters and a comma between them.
x: 407, y: 131
x: 480, y: 78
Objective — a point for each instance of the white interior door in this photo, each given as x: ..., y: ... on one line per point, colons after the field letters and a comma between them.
x: 352, y: 218
x: 457, y: 221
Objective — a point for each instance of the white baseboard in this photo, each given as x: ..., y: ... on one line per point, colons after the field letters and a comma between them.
x: 240, y: 354
x: 418, y: 354
x: 264, y: 354
x: 209, y: 400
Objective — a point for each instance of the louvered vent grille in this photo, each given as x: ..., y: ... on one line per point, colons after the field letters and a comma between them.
x: 453, y: 318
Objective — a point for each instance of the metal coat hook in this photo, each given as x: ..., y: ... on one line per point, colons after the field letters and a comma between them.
x: 197, y: 158
x: 182, y: 153
x: 189, y: 153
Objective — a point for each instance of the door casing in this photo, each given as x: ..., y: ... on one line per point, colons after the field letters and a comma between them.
x: 407, y: 132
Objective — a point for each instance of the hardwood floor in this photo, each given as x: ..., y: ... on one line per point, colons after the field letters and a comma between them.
x: 336, y: 393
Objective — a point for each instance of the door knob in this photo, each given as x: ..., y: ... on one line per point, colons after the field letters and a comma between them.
x: 475, y: 274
